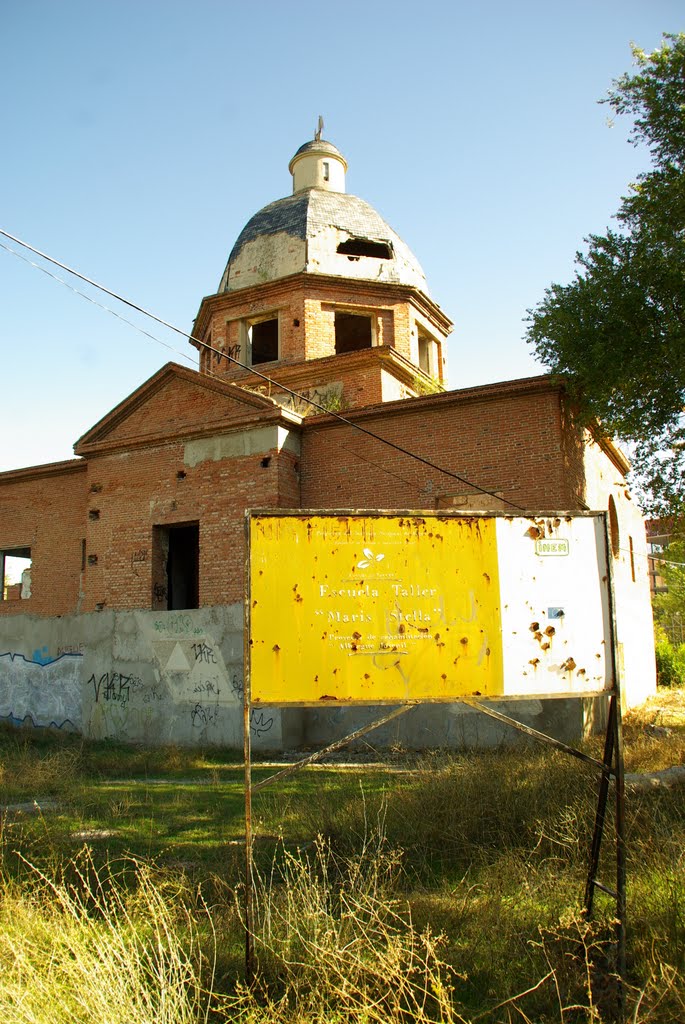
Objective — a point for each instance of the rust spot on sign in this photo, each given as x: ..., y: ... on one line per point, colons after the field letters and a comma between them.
x: 569, y: 665
x: 326, y: 696
x: 464, y: 640
x: 550, y: 631
x: 534, y: 627
x: 275, y: 648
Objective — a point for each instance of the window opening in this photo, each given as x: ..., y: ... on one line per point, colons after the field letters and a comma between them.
x: 176, y: 566
x: 365, y: 247
x: 15, y: 569
x: 264, y: 338
x: 326, y: 170
x: 425, y: 353
x: 352, y: 332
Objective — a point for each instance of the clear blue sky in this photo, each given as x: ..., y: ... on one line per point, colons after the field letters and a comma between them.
x: 138, y: 137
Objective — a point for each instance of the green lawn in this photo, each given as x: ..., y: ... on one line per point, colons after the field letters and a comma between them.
x: 485, y: 849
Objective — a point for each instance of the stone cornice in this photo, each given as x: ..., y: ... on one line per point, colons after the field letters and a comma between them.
x: 320, y: 284
x: 66, y: 468
x: 481, y: 393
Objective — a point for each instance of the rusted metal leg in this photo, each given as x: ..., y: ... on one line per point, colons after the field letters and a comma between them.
x: 600, y: 814
x: 249, y: 897
x: 621, y: 909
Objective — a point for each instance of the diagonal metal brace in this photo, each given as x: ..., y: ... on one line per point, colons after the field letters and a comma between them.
x: 542, y: 736
x: 319, y: 754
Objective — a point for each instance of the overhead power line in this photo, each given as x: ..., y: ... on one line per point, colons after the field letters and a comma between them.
x: 257, y: 373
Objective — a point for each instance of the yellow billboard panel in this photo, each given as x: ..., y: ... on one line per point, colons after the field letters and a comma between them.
x: 373, y: 609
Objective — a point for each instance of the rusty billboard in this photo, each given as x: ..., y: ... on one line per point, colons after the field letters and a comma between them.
x: 389, y: 607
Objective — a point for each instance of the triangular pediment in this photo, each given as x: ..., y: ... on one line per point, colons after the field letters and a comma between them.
x: 176, y: 402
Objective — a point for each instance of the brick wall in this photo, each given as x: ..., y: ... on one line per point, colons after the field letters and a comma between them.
x: 306, y: 306
x: 505, y: 438
x: 43, y: 508
x: 134, y: 492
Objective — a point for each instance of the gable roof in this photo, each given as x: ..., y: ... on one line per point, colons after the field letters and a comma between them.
x: 177, y: 402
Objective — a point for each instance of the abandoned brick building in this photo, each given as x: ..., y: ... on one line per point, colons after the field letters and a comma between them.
x: 328, y: 304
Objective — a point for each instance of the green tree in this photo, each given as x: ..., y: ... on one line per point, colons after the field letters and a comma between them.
x: 670, y: 606
x: 616, y: 333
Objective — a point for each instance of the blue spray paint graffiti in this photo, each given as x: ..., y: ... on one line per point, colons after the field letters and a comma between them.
x: 41, y: 691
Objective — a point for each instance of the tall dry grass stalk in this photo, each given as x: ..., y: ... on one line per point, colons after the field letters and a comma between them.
x: 87, y: 952
x: 334, y: 944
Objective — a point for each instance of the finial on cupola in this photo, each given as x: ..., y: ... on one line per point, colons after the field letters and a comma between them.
x: 318, y: 164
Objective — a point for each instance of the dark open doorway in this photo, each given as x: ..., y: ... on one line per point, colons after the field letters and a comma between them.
x: 176, y: 582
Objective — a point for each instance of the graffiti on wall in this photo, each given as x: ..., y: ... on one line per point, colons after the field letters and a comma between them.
x: 42, y: 691
x: 143, y: 676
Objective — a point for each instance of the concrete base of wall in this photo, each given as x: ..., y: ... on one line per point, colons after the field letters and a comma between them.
x: 177, y: 677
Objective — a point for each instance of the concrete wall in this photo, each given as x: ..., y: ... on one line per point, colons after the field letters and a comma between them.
x: 605, y: 486
x: 138, y: 676
x: 177, y: 677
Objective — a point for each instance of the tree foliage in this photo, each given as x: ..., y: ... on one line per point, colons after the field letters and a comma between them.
x: 670, y: 605
x: 616, y: 333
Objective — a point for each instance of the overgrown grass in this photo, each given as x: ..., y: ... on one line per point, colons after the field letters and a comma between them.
x: 94, y: 949
x: 449, y: 892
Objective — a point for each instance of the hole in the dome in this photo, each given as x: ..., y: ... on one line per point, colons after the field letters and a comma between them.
x: 365, y: 247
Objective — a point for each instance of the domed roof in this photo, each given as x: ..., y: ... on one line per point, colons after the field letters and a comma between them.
x: 319, y: 146
x: 320, y: 230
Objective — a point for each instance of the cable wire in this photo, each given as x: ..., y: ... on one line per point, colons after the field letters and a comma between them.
x: 180, y: 352
x: 252, y: 370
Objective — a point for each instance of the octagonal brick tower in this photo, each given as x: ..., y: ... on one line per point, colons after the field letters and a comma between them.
x: 320, y: 295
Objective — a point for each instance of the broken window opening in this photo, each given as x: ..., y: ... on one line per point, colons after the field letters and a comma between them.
x: 352, y: 332
x: 176, y: 566
x: 15, y: 574
x: 425, y: 353
x: 355, y: 247
x: 263, y: 341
